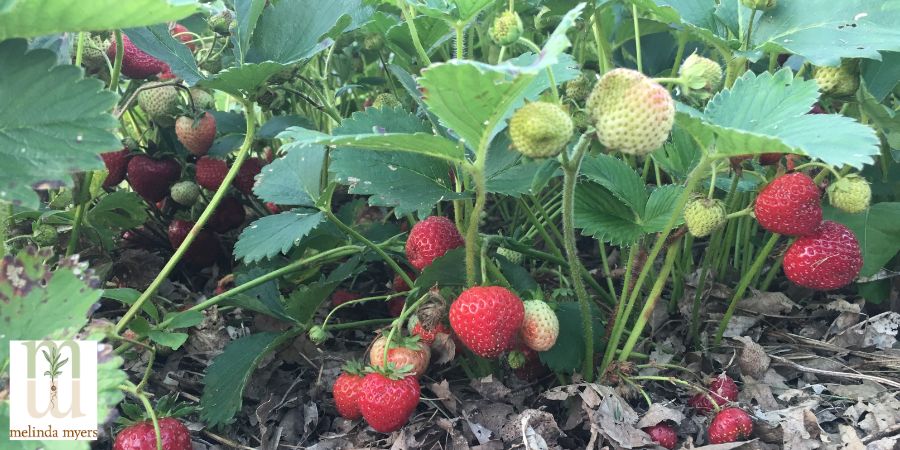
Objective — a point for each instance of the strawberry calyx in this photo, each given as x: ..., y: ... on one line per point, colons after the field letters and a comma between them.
x: 167, y: 406
x: 391, y: 371
x: 354, y: 367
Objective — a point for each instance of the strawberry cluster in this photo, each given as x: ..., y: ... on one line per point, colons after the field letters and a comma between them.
x: 826, y: 255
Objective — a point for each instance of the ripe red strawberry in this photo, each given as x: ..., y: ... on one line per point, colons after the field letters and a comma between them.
x: 181, y: 33
x: 246, y: 175
x: 152, y: 178
x: 135, y: 63
x: 341, y: 296
x: 427, y: 336
x: 722, y: 389
x: 430, y: 239
x: 403, y: 352
x: 790, y: 205
x: 204, y: 250
x: 663, y: 434
x: 116, y: 164
x: 540, y: 326
x: 730, y: 425
x: 387, y: 403
x: 210, y: 172
x: 826, y: 260
x: 398, y: 285
x: 346, y: 391
x: 487, y: 319
x: 196, y: 135
x: 229, y: 214
x: 141, y: 436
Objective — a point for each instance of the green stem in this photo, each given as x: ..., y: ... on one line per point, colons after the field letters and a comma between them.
x: 472, y: 230
x: 148, y: 370
x: 117, y: 65
x: 603, y: 50
x: 818, y: 164
x: 460, y: 41
x: 79, y: 213
x: 637, y: 38
x: 358, y: 301
x: 679, y: 55
x: 409, y: 15
x: 744, y: 283
x: 652, y: 299
x: 734, y: 69
x: 694, y: 177
x: 749, y: 30
x: 540, y: 228
x: 770, y: 276
x: 79, y: 49
x: 570, y: 177
x: 537, y: 50
x: 359, y: 237
x: 132, y: 389
x: 250, y: 118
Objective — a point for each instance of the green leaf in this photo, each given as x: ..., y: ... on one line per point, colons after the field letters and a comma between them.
x: 277, y: 124
x: 568, y: 352
x: 185, y: 319
x: 306, y: 300
x: 168, y: 339
x: 406, y: 181
x: 768, y: 113
x: 246, y: 14
x: 288, y: 32
x: 128, y: 296
x: 420, y: 143
x: 36, y: 303
x: 243, y: 78
x: 271, y: 235
x: 824, y: 31
x: 119, y: 210
x: 877, y: 230
x: 447, y: 270
x: 29, y: 18
x: 881, y: 76
x: 264, y: 298
x: 229, y: 373
x: 157, y: 42
x: 678, y: 156
x: 698, y: 17
x: 618, y: 178
x: 294, y: 179
x: 452, y: 11
x: 53, y: 122
x: 601, y: 214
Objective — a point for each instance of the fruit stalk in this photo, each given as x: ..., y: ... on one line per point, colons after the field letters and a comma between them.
x: 652, y: 299
x: 744, y: 283
x: 79, y: 214
x: 355, y: 234
x: 474, y: 218
x: 691, y: 184
x: 637, y: 38
x: 207, y: 213
x: 132, y: 389
x: 570, y: 176
x: 409, y: 15
x: 117, y: 64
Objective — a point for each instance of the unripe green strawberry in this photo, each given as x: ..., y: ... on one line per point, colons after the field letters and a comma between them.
x: 840, y: 81
x: 317, y: 335
x: 185, y: 193
x: 540, y: 129
x: 386, y: 100
x: 92, y: 56
x: 632, y: 113
x: 580, y: 88
x: 540, y: 327
x: 220, y: 22
x: 202, y: 100
x: 512, y: 255
x: 703, y: 216
x: 44, y: 235
x: 507, y: 28
x: 159, y: 102
x: 762, y: 5
x: 850, y: 194
x: 701, y: 73
x: 373, y: 42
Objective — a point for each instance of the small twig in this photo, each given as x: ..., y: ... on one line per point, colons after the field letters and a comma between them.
x: 226, y: 441
x: 857, y: 376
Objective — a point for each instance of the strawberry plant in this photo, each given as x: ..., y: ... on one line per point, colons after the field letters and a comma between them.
x: 457, y: 193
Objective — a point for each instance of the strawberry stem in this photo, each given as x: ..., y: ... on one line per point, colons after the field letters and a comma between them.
x: 744, y: 283
x: 132, y: 389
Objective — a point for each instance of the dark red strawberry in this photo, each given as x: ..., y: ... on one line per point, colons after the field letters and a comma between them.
x: 229, y: 215
x: 347, y: 390
x: 141, y: 436
x: 532, y: 368
x: 246, y: 175
x: 181, y: 33
x: 204, y: 250
x: 152, y: 178
x: 427, y: 336
x: 790, y: 205
x: 341, y: 296
x: 197, y: 136
x: 663, y: 434
x: 487, y: 319
x: 210, y: 172
x: 430, y: 239
x: 398, y: 285
x: 722, y: 389
x: 273, y: 208
x: 730, y: 425
x: 387, y: 403
x: 829, y: 259
x: 395, y: 306
x: 135, y: 63
x: 116, y: 164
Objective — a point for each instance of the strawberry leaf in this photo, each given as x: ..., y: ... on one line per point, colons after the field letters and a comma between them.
x: 243, y: 78
x: 271, y: 235
x: 53, y: 122
x: 876, y: 229
x: 29, y: 18
x: 246, y: 14
x: 158, y: 42
x: 768, y: 113
x: 293, y: 179
x: 453, y: 11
